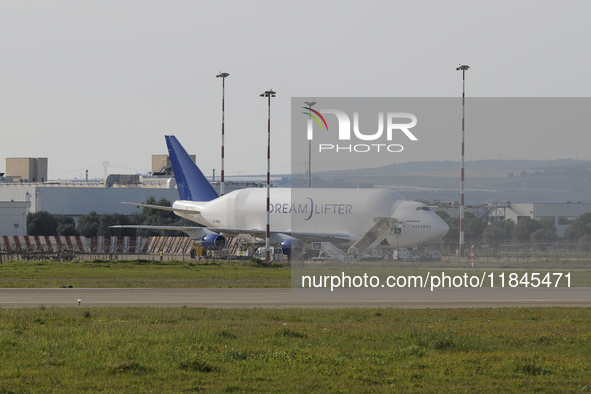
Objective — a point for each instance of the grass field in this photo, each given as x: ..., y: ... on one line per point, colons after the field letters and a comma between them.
x: 180, y: 350
x: 346, y: 350
x: 148, y: 273
x: 138, y: 273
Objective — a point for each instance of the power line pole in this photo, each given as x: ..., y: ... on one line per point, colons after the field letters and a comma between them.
x: 462, y: 67
x: 223, y: 76
x: 268, y: 94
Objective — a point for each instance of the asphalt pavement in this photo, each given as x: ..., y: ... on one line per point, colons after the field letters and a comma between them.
x: 300, y: 298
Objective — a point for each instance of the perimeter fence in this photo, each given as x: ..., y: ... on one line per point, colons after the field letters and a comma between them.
x: 501, y: 254
x: 67, y: 248
x: 551, y: 253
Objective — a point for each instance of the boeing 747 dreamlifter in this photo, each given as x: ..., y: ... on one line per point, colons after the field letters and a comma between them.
x: 352, y: 219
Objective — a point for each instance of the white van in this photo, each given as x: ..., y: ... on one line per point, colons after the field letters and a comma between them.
x: 276, y: 253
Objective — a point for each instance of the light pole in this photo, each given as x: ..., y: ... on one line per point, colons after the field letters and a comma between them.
x: 223, y: 77
x: 310, y: 104
x: 269, y: 93
x: 462, y: 67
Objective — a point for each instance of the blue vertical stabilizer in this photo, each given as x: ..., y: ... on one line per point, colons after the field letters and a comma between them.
x: 192, y: 184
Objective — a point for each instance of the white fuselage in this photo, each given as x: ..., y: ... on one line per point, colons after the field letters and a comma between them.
x: 346, y: 212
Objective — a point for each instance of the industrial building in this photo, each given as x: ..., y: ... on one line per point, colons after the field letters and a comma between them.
x: 562, y: 215
x: 161, y: 164
x: 13, y: 217
x: 26, y: 169
x: 23, y: 192
x: 80, y: 198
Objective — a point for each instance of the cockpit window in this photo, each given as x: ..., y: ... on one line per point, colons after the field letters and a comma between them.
x: 423, y: 209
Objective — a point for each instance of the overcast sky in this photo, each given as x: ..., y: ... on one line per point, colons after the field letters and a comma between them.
x: 84, y: 82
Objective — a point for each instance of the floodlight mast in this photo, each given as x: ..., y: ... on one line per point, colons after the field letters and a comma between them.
x: 223, y: 77
x: 310, y: 104
x: 462, y: 67
x: 269, y: 93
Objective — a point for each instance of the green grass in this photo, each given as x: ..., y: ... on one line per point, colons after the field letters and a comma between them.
x: 258, y: 350
x: 139, y: 273
x: 244, y: 274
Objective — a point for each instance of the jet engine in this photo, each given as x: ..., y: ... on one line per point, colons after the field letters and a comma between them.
x: 212, y: 242
x: 292, y: 247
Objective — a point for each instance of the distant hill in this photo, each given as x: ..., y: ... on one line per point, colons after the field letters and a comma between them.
x: 486, y: 180
x: 449, y: 165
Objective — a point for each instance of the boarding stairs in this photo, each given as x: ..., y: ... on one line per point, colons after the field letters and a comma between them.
x: 373, y: 237
x: 332, y: 250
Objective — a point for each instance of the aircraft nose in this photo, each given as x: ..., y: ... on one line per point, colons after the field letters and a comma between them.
x: 441, y: 228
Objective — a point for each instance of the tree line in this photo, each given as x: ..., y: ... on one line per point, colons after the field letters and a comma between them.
x: 475, y: 229
x: 93, y: 224
x: 526, y: 229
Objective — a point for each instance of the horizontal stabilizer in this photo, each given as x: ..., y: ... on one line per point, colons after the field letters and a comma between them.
x: 161, y: 207
x: 193, y: 232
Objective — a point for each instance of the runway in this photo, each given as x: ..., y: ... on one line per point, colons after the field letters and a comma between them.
x: 300, y: 298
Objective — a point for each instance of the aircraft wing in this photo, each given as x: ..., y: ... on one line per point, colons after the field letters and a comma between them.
x: 177, y: 228
x: 197, y: 232
x: 193, y: 232
x: 302, y: 236
x: 161, y: 208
